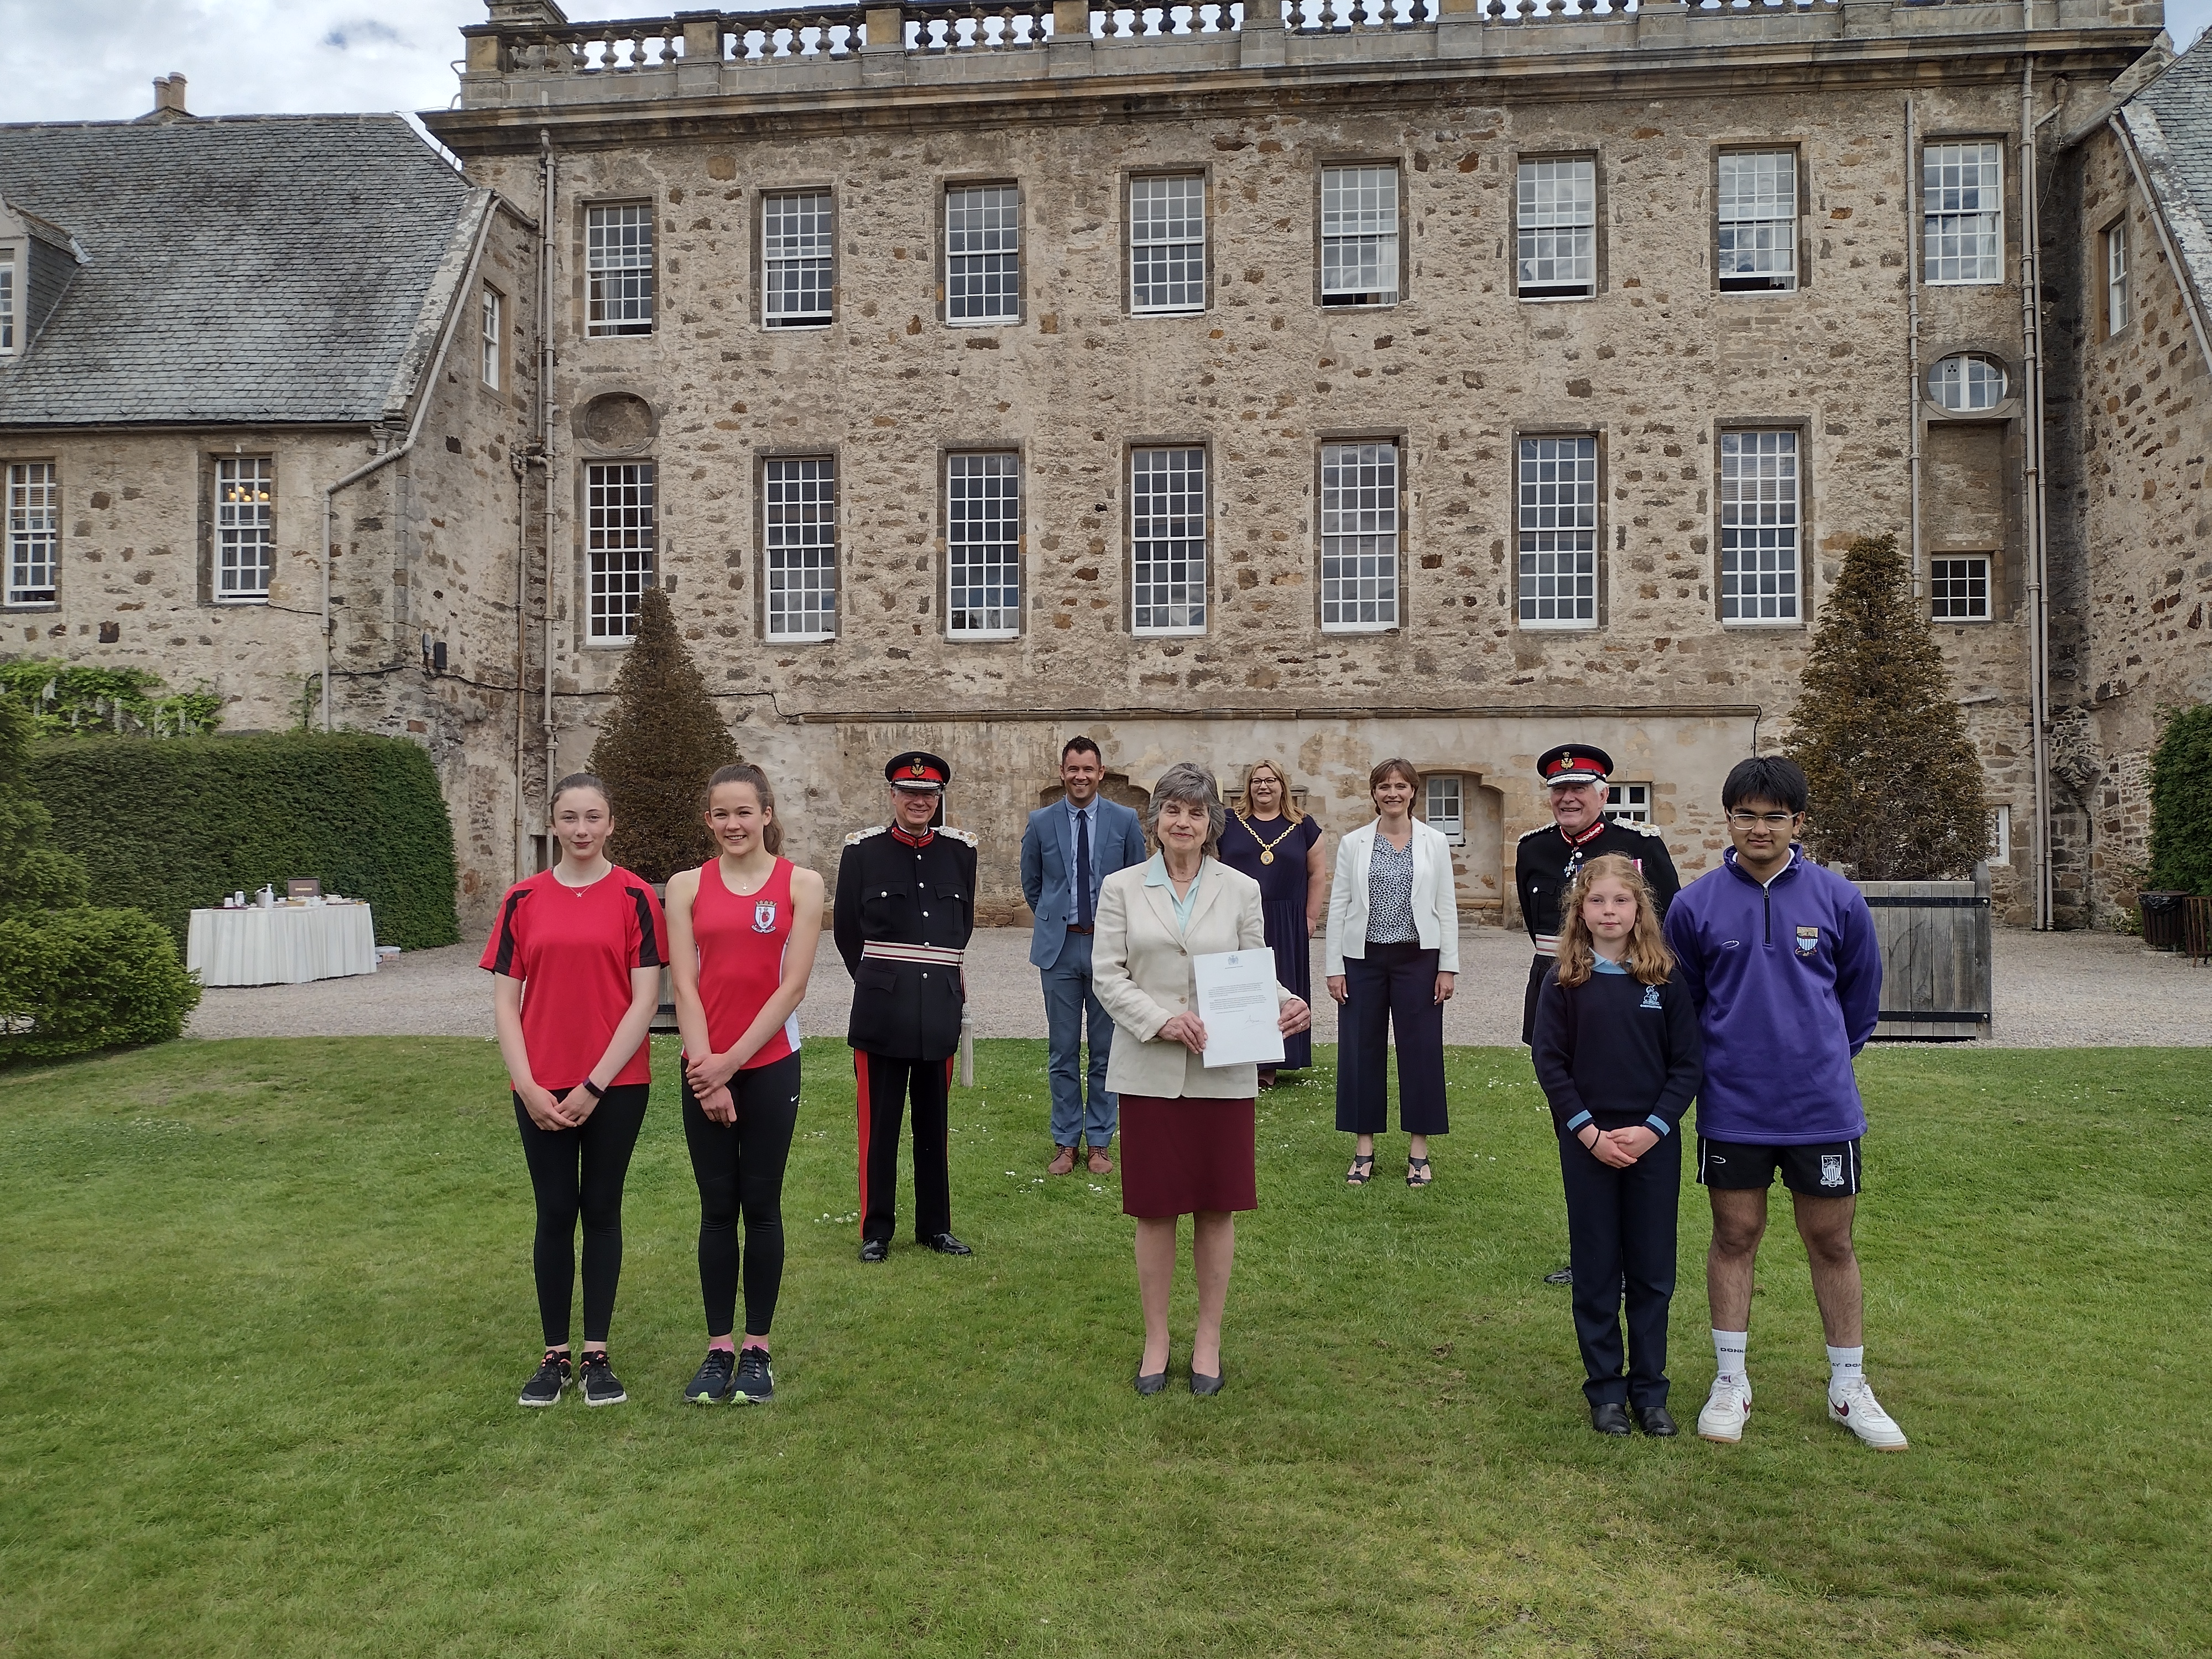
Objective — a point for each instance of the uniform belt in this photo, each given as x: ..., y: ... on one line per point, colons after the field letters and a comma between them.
x: 1085, y: 929
x: 883, y: 950
x: 1547, y: 945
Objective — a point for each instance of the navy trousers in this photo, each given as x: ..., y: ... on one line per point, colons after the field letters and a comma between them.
x: 1392, y: 988
x: 1621, y: 1240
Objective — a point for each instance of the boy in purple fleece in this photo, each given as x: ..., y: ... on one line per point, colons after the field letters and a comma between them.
x: 1780, y: 957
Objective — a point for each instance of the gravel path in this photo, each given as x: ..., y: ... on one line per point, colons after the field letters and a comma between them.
x: 2053, y: 990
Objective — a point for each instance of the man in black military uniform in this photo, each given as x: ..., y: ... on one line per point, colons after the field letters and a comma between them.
x: 905, y: 908
x: 1546, y: 861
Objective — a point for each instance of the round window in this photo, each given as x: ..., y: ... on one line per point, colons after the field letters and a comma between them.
x: 1967, y: 381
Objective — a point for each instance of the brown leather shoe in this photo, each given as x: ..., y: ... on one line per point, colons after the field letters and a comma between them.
x: 1100, y: 1163
x: 1063, y: 1161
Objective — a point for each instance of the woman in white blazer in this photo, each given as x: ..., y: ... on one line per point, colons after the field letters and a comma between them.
x: 1187, y: 1131
x: 1392, y: 954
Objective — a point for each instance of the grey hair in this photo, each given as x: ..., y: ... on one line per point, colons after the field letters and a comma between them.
x: 1187, y: 780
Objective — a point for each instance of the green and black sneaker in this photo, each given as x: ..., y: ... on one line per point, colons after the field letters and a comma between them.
x: 711, y: 1386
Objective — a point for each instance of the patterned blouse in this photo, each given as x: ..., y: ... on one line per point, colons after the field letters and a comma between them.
x: 1390, y: 894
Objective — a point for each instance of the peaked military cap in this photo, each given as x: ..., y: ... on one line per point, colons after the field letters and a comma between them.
x: 1574, y: 762
x: 917, y: 770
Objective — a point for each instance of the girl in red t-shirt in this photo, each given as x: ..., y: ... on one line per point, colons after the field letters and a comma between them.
x: 578, y: 949
x: 742, y: 929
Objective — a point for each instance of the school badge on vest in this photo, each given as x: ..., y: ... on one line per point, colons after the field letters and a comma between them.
x: 764, y: 916
x: 1809, y: 940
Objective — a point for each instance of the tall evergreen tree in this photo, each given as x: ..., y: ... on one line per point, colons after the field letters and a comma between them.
x: 1897, y: 787
x: 657, y: 747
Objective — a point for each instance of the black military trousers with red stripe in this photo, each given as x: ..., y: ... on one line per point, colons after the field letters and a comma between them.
x: 886, y: 1086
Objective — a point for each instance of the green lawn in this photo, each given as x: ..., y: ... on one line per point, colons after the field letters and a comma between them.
x: 267, y: 1305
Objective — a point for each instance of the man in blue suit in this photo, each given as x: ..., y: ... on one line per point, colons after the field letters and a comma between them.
x: 1069, y: 847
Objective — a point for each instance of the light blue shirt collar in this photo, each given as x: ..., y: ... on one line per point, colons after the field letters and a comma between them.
x: 1602, y: 966
x: 1156, y: 875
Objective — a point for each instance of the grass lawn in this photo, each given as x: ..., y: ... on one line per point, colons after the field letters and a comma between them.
x: 267, y: 1306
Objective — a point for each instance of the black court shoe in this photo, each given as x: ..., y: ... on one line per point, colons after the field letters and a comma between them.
x: 876, y: 1249
x: 553, y: 1375
x: 1656, y: 1421
x: 945, y: 1244
x: 1202, y: 1385
x: 1611, y: 1418
x: 1155, y: 1383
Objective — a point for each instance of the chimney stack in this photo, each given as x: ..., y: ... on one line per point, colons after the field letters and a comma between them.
x: 169, y: 96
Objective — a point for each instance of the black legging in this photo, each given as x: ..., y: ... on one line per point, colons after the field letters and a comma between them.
x: 582, y: 1170
x: 740, y: 1169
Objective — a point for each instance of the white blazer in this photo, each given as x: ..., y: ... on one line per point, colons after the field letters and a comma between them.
x: 1435, y: 898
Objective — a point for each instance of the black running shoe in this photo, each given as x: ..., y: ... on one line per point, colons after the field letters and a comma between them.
x: 553, y: 1375
x: 711, y: 1387
x: 601, y: 1386
x: 755, y: 1383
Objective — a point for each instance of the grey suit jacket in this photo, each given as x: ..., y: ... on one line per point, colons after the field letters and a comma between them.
x: 1048, y: 865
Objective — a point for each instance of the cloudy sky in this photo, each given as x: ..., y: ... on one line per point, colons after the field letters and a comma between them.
x: 94, y: 59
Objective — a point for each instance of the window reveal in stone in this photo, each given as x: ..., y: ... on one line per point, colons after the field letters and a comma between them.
x: 1557, y: 509
x: 1167, y: 244
x: 1167, y: 523
x: 799, y: 509
x: 1555, y: 220
x: 619, y: 539
x: 1445, y: 808
x: 245, y: 526
x: 1758, y: 527
x: 982, y: 544
x: 983, y: 253
x: 488, y: 310
x: 1962, y: 205
x: 798, y: 259
x: 1628, y: 803
x: 1967, y: 382
x: 2116, y: 278
x: 34, y: 531
x: 1757, y: 211
x: 619, y: 267
x: 1958, y: 589
x: 1358, y: 536
x: 1358, y: 236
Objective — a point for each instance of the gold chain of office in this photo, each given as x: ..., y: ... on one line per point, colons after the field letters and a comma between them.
x: 1266, y: 847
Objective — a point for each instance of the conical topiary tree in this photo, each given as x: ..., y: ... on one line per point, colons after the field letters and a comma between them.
x: 2181, y: 804
x: 1897, y: 787
x: 657, y: 747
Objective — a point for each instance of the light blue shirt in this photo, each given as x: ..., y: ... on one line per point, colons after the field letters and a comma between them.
x: 1075, y: 815
x: 1156, y: 875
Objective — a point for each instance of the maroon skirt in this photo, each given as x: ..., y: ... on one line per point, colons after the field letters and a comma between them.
x: 1179, y: 1157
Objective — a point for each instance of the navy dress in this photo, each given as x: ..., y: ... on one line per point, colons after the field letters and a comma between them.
x: 1283, y: 901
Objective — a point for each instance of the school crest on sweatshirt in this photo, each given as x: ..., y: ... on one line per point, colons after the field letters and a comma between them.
x: 1809, y: 940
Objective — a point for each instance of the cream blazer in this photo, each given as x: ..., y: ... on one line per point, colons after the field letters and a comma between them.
x: 1140, y: 970
x: 1435, y: 898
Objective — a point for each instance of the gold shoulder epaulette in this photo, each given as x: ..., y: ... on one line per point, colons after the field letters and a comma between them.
x: 860, y: 836
x: 956, y: 834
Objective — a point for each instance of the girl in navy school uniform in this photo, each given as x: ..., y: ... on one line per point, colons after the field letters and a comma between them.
x: 1618, y: 1054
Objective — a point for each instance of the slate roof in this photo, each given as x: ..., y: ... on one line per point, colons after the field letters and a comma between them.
x: 262, y: 269
x: 2170, y: 121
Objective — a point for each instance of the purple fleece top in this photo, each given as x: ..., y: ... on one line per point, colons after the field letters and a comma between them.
x: 1788, y: 982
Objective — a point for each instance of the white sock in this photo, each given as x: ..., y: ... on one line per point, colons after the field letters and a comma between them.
x: 1845, y: 1367
x: 1728, y: 1353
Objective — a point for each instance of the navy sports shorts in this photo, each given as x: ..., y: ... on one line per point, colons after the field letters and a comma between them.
x: 1825, y: 1169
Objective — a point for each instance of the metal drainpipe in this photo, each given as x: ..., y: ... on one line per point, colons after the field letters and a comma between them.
x: 545, y: 432
x: 2039, y: 638
x: 1912, y: 335
x: 521, y: 634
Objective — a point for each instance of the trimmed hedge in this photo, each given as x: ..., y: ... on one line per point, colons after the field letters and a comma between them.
x: 75, y: 980
x: 2181, y: 804
x: 175, y: 825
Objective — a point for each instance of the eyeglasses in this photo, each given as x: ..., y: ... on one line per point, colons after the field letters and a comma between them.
x: 1756, y: 820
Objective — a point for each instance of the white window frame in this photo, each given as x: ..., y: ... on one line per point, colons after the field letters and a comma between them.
x: 982, y: 255
x: 1954, y: 381
x: 1168, y: 522
x: 1443, y: 806
x: 245, y: 521
x: 1962, y: 219
x: 799, y: 259
x: 618, y: 255
x: 2118, y: 309
x: 9, y: 264
x: 1360, y: 483
x: 1627, y: 803
x: 983, y: 545
x: 2001, y: 835
x: 1776, y: 523
x: 1755, y: 220
x: 34, y: 534
x: 1557, y: 518
x: 1555, y: 208
x: 799, y: 537
x: 1167, y: 243
x: 622, y: 544
x: 1953, y: 594
x: 491, y: 307
x: 1359, y: 233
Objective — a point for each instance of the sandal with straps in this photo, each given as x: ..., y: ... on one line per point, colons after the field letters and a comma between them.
x: 1361, y: 1172
x: 1417, y: 1172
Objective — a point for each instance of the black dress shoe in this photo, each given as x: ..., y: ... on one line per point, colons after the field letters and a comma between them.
x: 945, y: 1244
x: 1612, y: 1417
x: 876, y: 1249
x: 1156, y: 1383
x: 1656, y: 1421
x: 1201, y: 1384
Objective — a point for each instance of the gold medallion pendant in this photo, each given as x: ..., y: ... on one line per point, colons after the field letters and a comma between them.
x: 1266, y: 856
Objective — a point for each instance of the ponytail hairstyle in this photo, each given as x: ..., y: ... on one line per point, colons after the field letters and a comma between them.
x: 772, y: 831
x: 1648, y: 958
x: 579, y: 780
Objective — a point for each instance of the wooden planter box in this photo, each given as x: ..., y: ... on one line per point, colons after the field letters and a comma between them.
x: 1935, y: 957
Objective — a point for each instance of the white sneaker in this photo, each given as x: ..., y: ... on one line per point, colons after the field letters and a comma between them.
x: 1726, y: 1407
x: 1862, y: 1414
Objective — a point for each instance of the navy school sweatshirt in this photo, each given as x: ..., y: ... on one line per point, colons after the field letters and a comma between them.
x: 1616, y: 1051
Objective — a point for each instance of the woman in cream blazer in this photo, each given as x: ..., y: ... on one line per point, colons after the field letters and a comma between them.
x: 1392, y: 954
x: 1188, y: 1132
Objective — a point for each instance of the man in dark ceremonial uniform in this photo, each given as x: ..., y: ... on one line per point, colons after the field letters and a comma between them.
x: 905, y: 908
x: 1546, y: 861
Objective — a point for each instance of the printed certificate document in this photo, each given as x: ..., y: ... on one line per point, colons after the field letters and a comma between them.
x: 1237, y: 1005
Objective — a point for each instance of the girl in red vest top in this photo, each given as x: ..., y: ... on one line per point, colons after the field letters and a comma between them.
x: 742, y: 931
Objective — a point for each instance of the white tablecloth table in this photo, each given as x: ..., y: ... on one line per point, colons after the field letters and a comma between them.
x: 284, y: 945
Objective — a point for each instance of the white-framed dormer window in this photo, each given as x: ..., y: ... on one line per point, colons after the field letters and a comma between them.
x: 983, y: 545
x: 245, y: 527
x: 799, y: 513
x: 34, y: 531
x: 1959, y: 587
x: 1758, y: 527
x: 1445, y: 809
x: 490, y: 308
x: 1167, y: 243
x: 1628, y: 803
x: 1555, y: 228
x: 7, y: 301
x: 983, y: 253
x: 1167, y: 541
x: 621, y: 536
x: 1360, y: 236
x: 1962, y: 213
x: 799, y: 262
x: 1359, y: 537
x: 2116, y: 278
x: 1557, y: 487
x: 618, y: 269
x: 1757, y: 207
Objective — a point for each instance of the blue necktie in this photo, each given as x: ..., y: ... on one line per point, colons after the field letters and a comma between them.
x: 1083, y: 869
